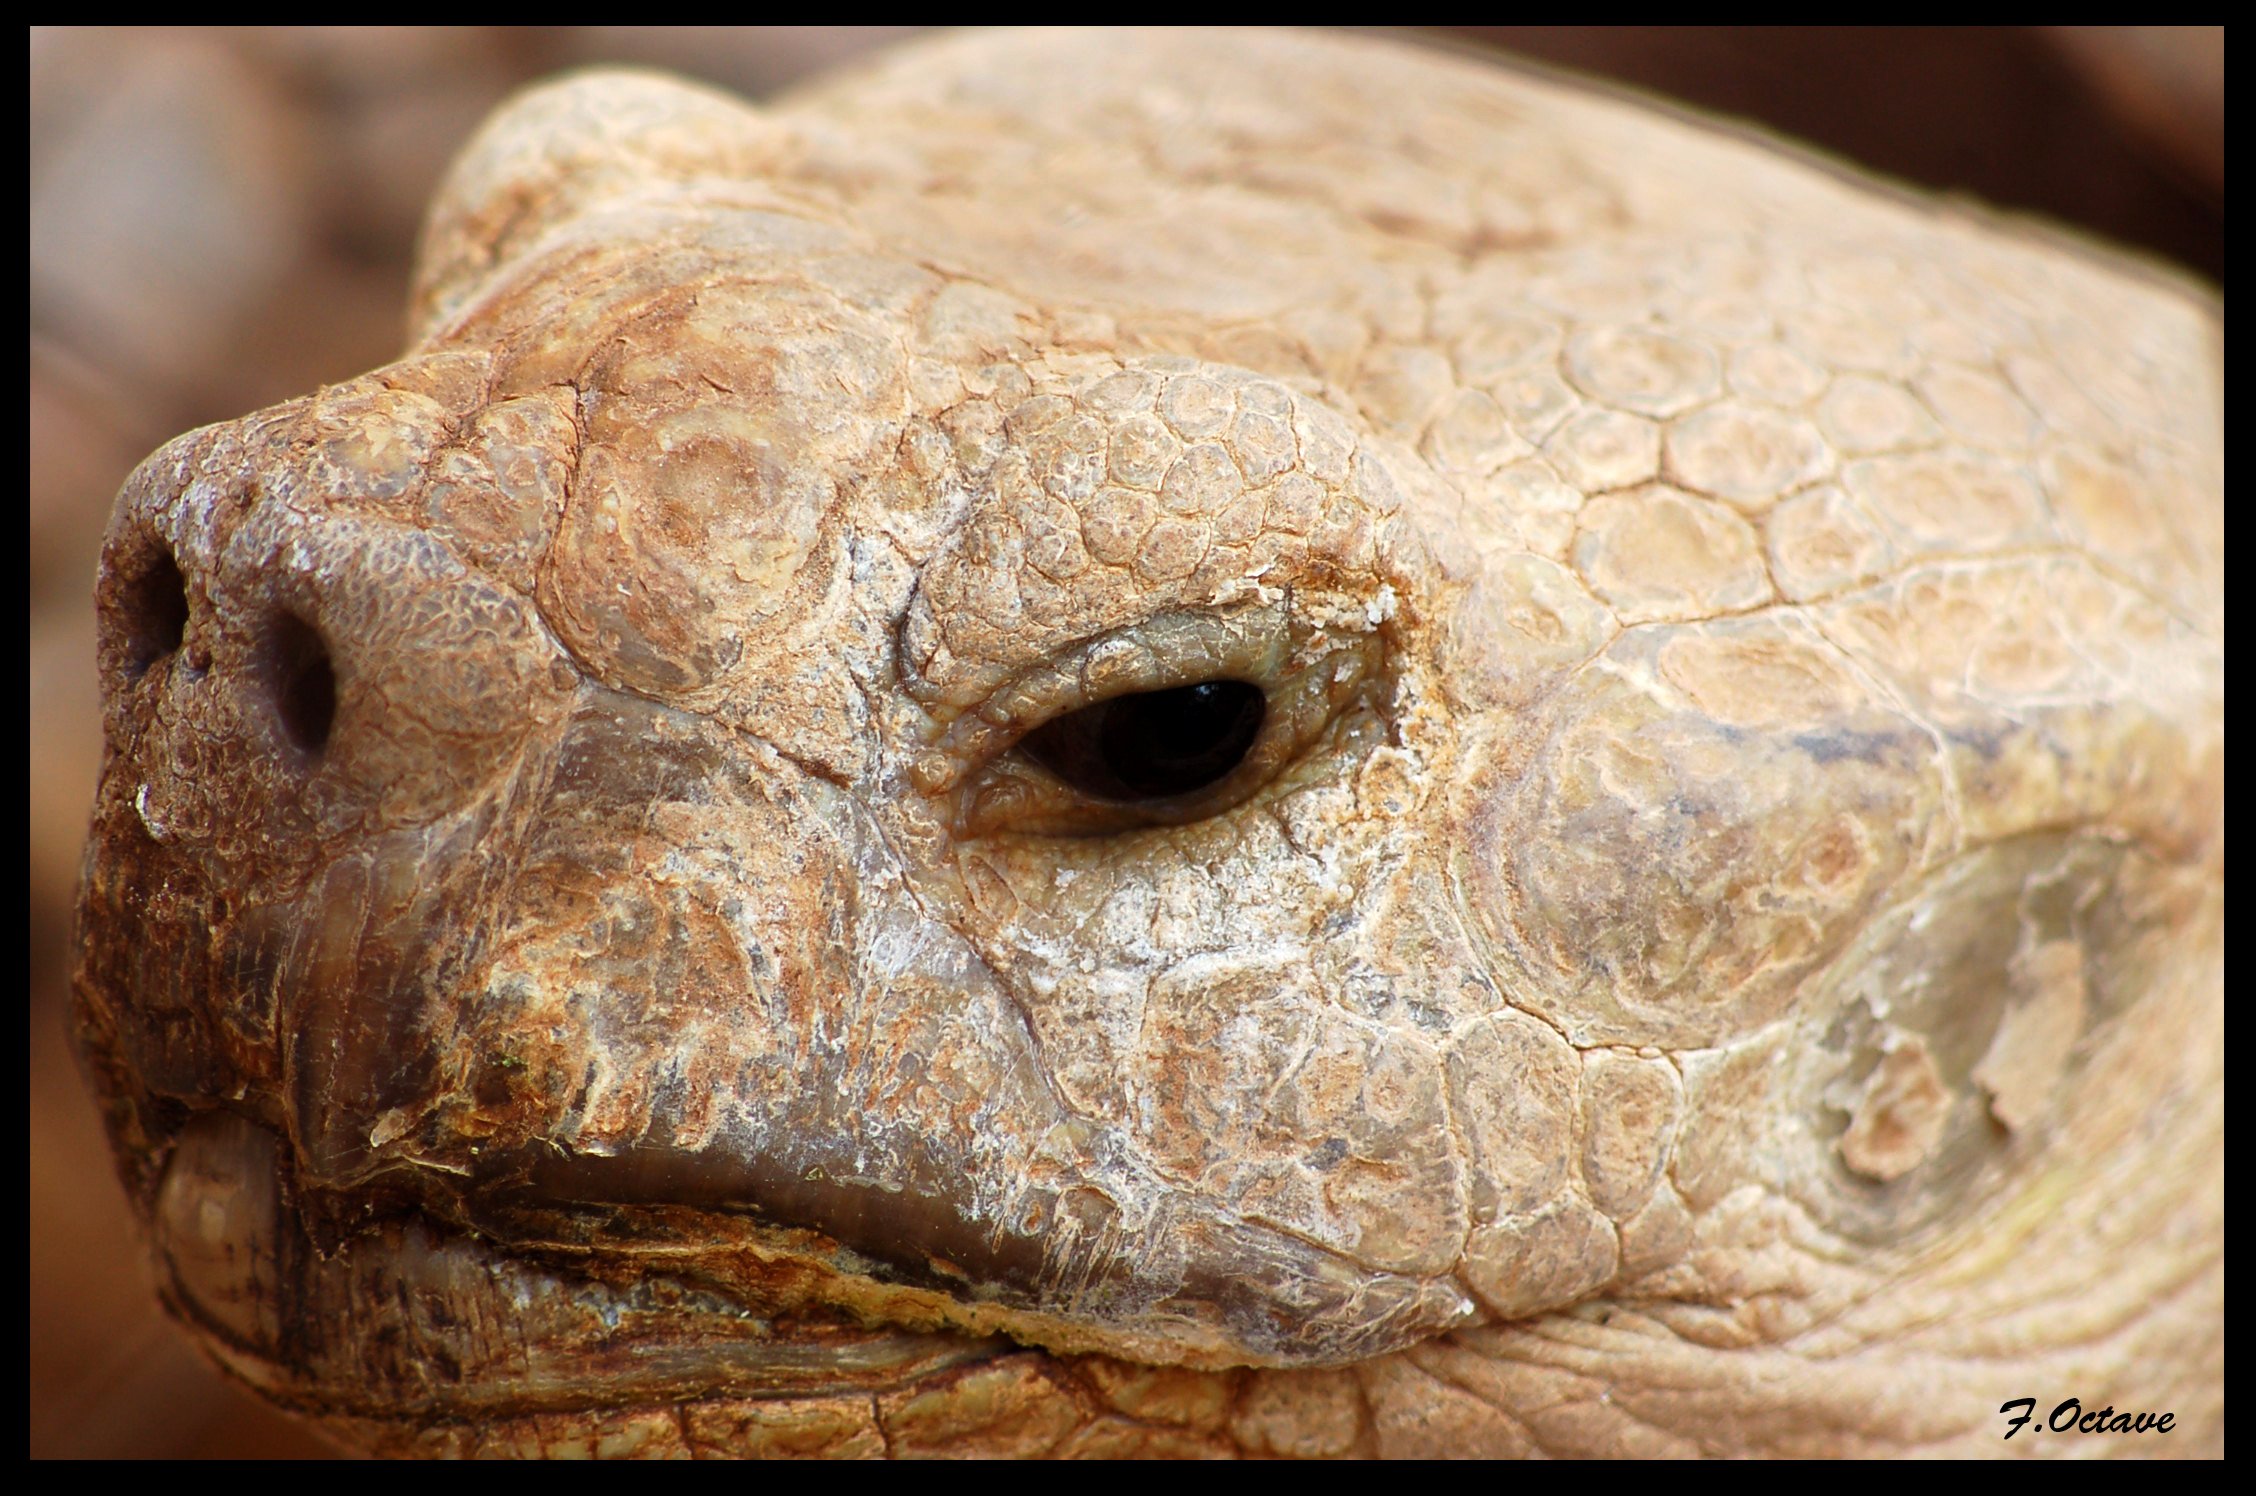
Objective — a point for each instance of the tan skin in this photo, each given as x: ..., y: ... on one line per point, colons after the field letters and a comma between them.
x: 1722, y: 892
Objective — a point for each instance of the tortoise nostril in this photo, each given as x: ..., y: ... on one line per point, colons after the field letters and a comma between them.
x: 302, y: 681
x: 156, y: 613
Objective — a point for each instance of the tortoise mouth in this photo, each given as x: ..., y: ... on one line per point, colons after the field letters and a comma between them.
x: 402, y: 1315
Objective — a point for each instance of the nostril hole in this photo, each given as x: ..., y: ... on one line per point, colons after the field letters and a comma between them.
x: 303, y: 681
x: 157, y: 613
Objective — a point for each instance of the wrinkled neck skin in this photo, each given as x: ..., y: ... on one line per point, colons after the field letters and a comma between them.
x: 1713, y: 944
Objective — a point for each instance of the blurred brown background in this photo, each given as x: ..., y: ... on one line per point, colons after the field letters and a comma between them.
x: 222, y: 219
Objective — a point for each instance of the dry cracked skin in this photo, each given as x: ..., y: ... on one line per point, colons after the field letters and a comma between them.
x: 1075, y: 747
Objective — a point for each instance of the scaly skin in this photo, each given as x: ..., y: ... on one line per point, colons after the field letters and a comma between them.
x: 1715, y: 948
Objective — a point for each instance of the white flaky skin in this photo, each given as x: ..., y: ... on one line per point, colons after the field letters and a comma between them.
x: 1716, y: 949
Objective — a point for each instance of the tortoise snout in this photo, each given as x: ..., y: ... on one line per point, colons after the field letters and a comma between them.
x: 318, y: 703
x: 166, y: 626
x: 287, y: 646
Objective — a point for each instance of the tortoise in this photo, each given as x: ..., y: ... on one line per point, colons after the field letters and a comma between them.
x: 1078, y: 748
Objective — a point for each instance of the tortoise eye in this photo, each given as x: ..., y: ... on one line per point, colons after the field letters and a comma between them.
x: 1153, y: 745
x: 1231, y: 706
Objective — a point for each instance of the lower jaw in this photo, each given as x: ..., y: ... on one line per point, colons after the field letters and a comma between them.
x: 1021, y: 1405
x: 410, y: 1330
x: 412, y: 1337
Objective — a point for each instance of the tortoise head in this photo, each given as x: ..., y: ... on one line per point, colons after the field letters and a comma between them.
x: 784, y: 806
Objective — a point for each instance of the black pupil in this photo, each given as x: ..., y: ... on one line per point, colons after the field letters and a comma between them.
x: 1156, y: 744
